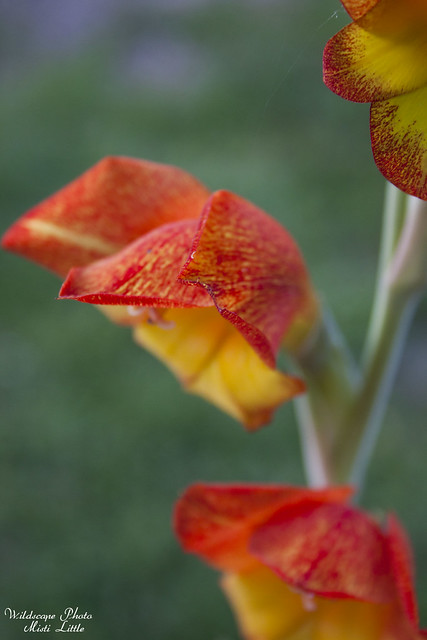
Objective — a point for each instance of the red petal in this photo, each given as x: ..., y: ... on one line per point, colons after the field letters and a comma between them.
x: 143, y: 274
x: 251, y: 267
x: 217, y: 521
x: 112, y: 204
x: 328, y: 550
x: 402, y: 564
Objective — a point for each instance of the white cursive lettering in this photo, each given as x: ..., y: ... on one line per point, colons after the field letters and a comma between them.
x: 70, y: 628
x: 34, y: 626
x: 73, y: 614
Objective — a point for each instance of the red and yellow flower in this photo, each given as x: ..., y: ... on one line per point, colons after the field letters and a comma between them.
x: 302, y: 564
x: 381, y: 58
x: 211, y: 284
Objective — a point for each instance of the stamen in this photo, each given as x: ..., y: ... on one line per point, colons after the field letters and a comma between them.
x: 136, y: 311
x: 151, y: 316
x: 308, y: 601
x: 156, y: 317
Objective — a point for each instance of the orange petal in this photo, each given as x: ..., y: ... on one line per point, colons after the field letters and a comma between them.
x: 112, y: 204
x: 252, y: 268
x: 358, y: 8
x: 205, y: 351
x: 381, y: 55
x: 217, y: 521
x: 242, y: 258
x: 144, y: 273
x: 399, y: 141
x: 213, y: 360
x: 315, y: 550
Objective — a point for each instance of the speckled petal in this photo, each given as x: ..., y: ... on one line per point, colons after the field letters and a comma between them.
x: 253, y: 270
x: 399, y: 141
x: 144, y: 273
x: 381, y: 55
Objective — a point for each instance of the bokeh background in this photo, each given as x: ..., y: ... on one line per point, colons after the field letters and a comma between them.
x: 97, y: 439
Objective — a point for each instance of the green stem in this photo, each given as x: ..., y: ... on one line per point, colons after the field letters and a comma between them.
x: 331, y: 379
x: 402, y: 280
x: 341, y: 414
x: 393, y: 217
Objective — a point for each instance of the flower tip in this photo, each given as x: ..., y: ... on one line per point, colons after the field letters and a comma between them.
x: 221, y: 196
x: 357, y: 8
x: 13, y: 238
x: 67, y: 290
x: 262, y: 418
x: 6, y: 241
x: 71, y: 289
x: 336, y: 78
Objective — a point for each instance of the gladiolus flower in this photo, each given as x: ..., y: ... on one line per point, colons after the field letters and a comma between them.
x: 210, y: 283
x: 381, y: 58
x: 301, y: 564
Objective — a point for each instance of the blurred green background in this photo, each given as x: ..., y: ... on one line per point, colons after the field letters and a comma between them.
x: 97, y: 439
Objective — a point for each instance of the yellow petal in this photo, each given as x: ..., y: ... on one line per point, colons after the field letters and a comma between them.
x: 352, y: 620
x: 213, y: 360
x: 265, y: 607
x: 399, y: 141
x: 381, y: 55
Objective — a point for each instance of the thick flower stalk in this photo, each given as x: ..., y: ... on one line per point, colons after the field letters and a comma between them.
x: 210, y: 283
x: 301, y: 564
x: 381, y: 58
